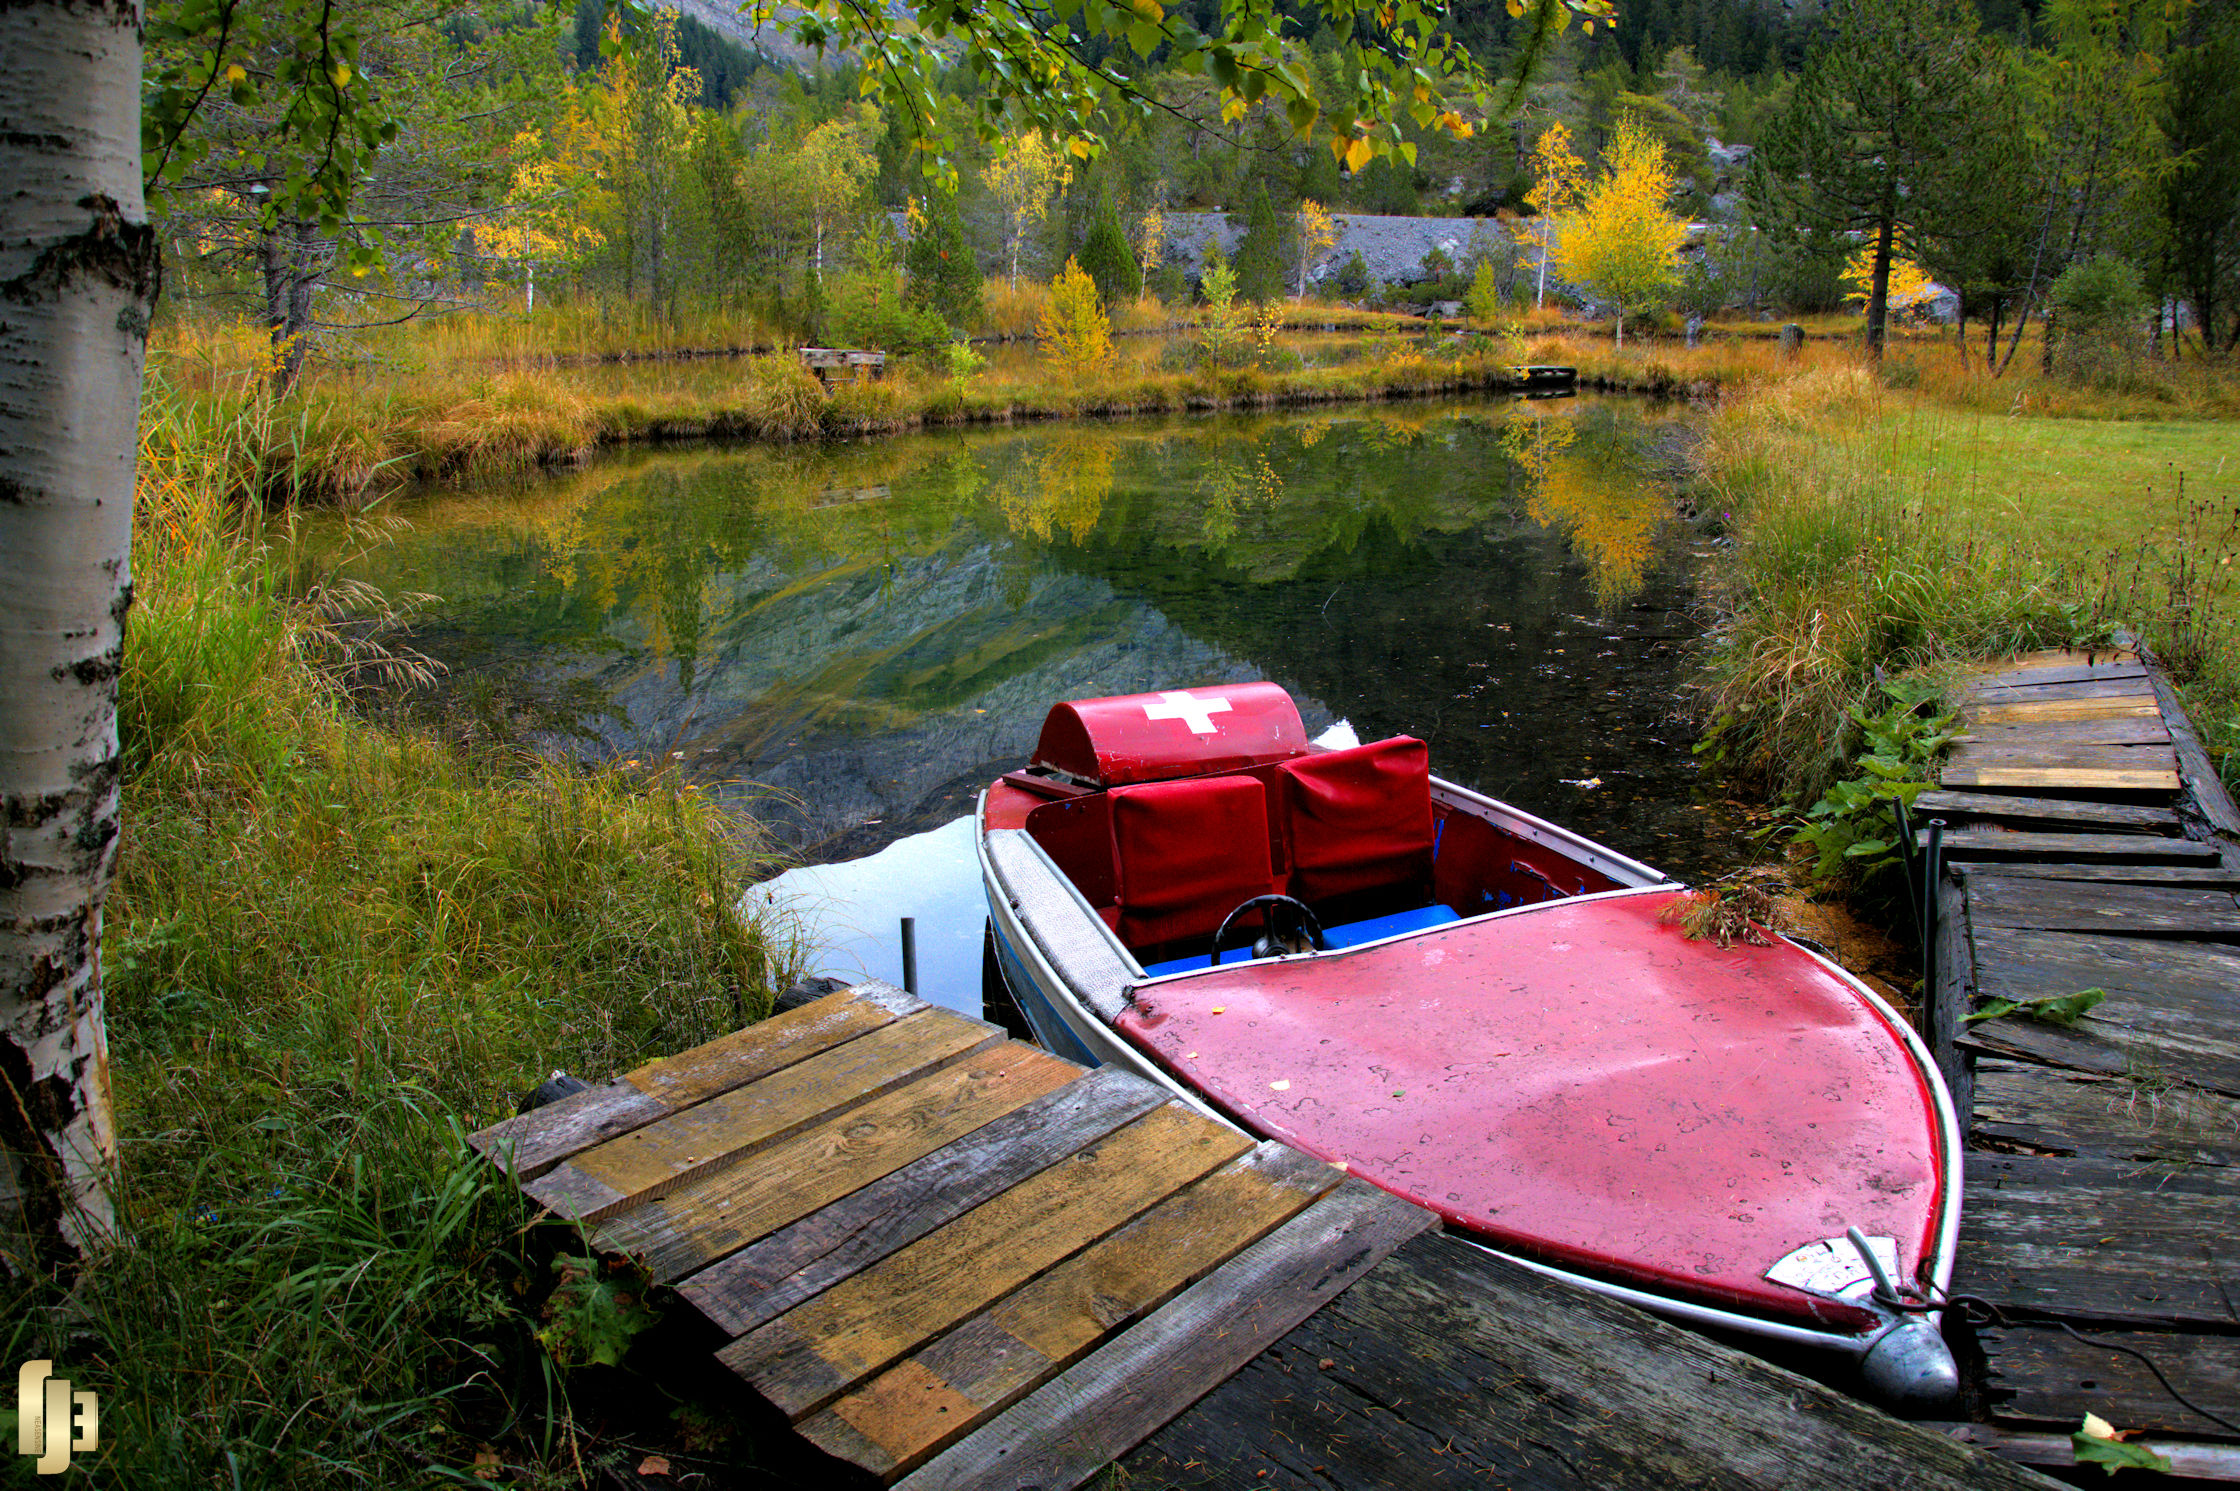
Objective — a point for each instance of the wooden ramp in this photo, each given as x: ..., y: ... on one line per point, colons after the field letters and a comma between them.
x: 939, y: 1250
x: 2092, y: 847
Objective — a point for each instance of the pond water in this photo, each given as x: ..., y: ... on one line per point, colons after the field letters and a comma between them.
x: 848, y: 642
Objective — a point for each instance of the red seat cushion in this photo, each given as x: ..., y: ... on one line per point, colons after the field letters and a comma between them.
x: 1358, y: 823
x: 1190, y: 852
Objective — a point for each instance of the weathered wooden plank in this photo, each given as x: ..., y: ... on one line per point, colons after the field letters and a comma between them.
x: 1447, y: 1368
x: 764, y: 1280
x: 2058, y: 657
x: 2190, y: 1460
x: 1981, y: 752
x: 2131, y: 730
x: 719, y: 1214
x: 2043, y: 1374
x: 2103, y: 1240
x: 822, y: 1348
x: 2135, y: 705
x: 2060, y: 778
x: 2173, y: 1008
x: 2137, y: 849
x: 2125, y: 910
x: 535, y: 1142
x: 899, y: 1418
x: 2174, y: 876
x: 2008, y: 678
x: 2053, y: 1111
x: 714, y: 1135
x: 2046, y: 810
x: 1096, y: 1410
x: 2133, y: 687
x: 2208, y: 789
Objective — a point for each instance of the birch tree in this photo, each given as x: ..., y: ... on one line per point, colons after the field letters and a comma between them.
x: 1023, y: 180
x: 1317, y: 232
x: 1558, y: 176
x: 77, y: 278
x: 1623, y: 242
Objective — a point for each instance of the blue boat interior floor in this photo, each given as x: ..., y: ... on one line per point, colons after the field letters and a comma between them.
x: 1351, y: 934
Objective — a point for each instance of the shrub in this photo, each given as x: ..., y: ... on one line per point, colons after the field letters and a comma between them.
x: 1485, y: 299
x: 2099, y: 320
x: 870, y: 311
x: 1074, y: 329
x: 1220, y: 333
x: 1352, y: 279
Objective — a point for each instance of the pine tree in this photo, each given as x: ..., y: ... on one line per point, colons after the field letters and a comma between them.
x: 1871, y: 133
x: 1108, y: 259
x: 1260, y: 253
x: 944, y: 276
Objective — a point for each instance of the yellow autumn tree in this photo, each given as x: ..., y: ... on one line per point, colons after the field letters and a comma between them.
x: 1910, y: 284
x: 552, y: 200
x: 1318, y: 230
x: 1151, y: 237
x: 1023, y: 180
x: 1623, y: 242
x: 1074, y: 329
x: 1558, y: 176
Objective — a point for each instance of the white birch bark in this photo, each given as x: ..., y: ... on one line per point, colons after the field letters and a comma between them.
x: 77, y: 278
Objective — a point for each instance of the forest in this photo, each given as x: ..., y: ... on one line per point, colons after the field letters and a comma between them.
x: 681, y: 165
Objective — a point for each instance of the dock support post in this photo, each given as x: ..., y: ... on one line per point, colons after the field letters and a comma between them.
x: 910, y: 954
x: 1932, y: 875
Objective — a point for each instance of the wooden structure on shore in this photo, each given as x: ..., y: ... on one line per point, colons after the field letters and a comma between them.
x: 955, y: 1261
x: 843, y: 365
x: 2088, y: 844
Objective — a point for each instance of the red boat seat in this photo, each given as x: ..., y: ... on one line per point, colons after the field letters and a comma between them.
x: 1189, y: 853
x: 1357, y: 824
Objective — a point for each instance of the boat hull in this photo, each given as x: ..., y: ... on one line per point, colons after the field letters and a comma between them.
x: 1921, y: 1165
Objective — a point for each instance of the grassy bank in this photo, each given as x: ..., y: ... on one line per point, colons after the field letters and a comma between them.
x: 331, y: 950
x: 1911, y: 528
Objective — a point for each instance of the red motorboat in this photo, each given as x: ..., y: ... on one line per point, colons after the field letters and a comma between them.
x: 1482, y: 1012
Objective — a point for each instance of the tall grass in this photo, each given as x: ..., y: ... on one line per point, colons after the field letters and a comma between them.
x: 331, y: 950
x: 1839, y: 569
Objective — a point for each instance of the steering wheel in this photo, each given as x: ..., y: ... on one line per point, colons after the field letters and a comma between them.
x: 1302, y: 920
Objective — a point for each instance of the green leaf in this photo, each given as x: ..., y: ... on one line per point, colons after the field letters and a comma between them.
x: 2112, y: 1455
x: 2060, y: 1009
x: 1866, y: 847
x: 2068, y: 1009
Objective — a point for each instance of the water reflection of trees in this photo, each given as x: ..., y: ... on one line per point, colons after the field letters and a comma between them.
x: 706, y: 556
x: 1586, y: 476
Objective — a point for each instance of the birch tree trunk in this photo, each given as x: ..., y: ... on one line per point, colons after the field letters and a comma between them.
x: 77, y: 279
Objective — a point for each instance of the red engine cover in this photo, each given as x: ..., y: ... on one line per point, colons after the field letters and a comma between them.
x: 1179, y: 733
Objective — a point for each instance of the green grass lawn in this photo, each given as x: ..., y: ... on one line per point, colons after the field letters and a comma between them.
x: 2069, y: 484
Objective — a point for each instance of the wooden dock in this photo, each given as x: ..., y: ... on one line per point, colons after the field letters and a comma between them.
x: 952, y: 1260
x: 937, y: 1249
x: 2089, y: 845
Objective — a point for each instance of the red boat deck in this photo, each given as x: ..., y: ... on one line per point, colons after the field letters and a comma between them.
x: 1573, y: 1081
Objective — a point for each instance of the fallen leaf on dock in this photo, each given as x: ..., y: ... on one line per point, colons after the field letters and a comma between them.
x: 653, y: 1465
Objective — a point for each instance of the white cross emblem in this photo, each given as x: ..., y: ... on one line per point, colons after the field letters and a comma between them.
x: 1197, y: 713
